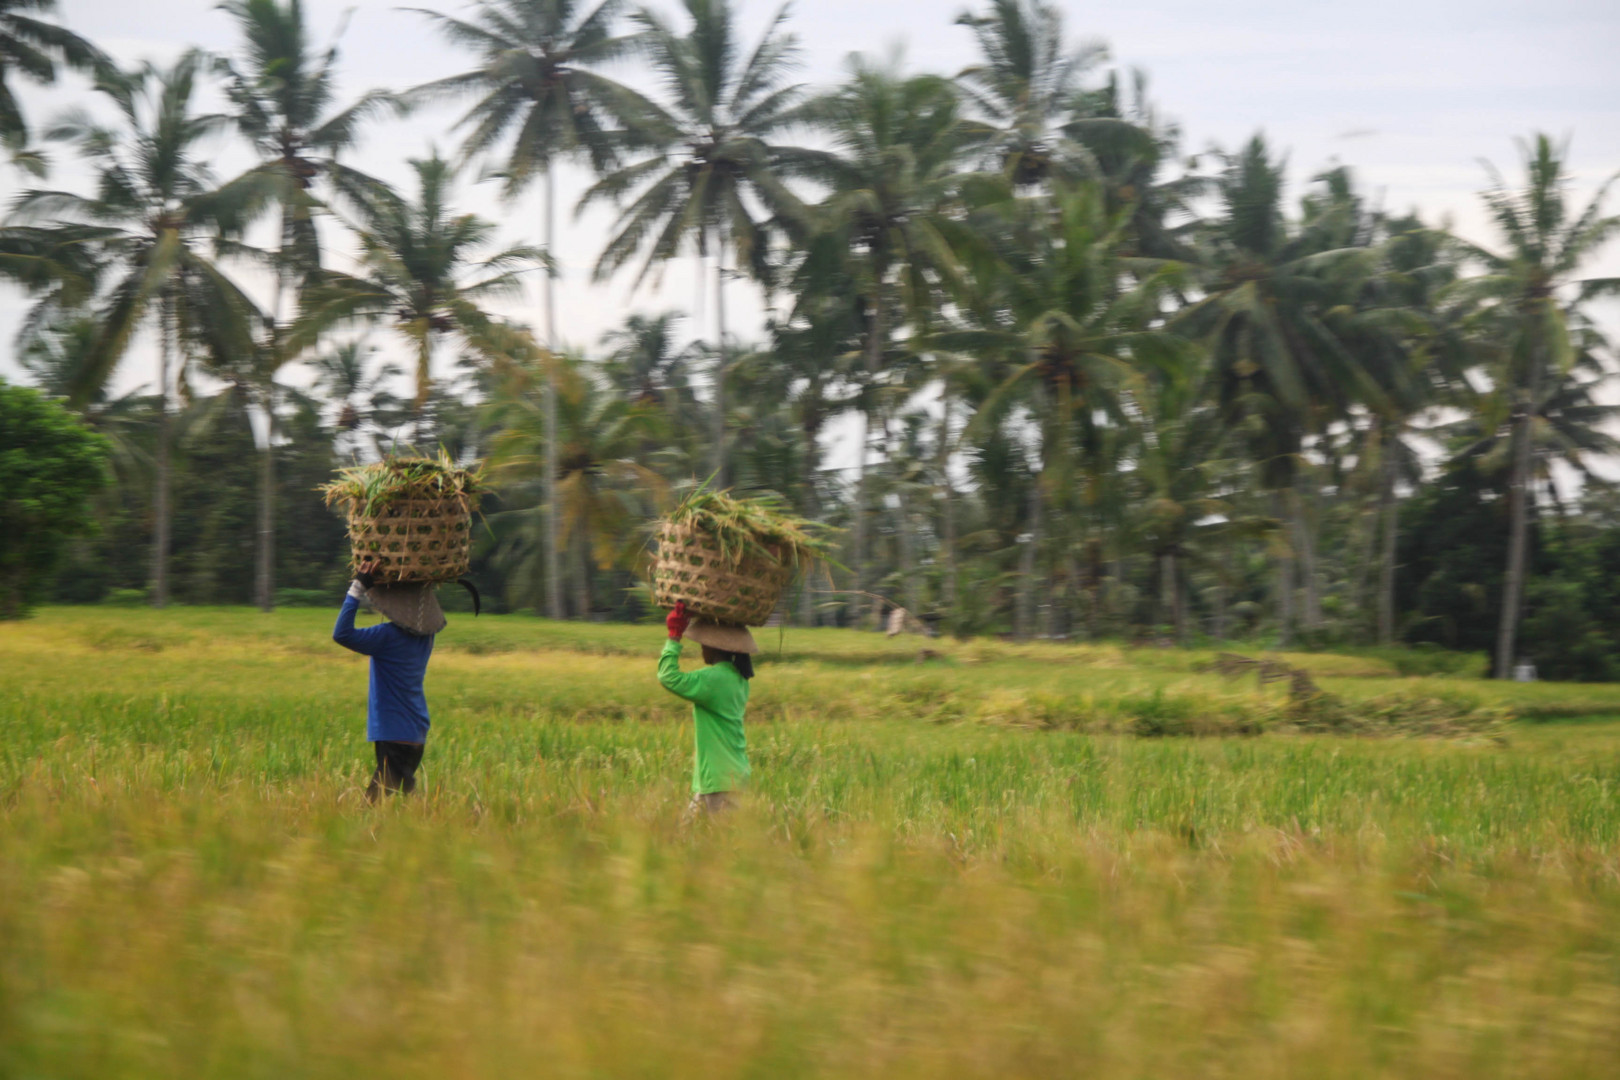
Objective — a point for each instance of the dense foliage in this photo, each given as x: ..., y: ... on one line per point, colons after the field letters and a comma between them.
x: 50, y: 464
x: 1100, y: 388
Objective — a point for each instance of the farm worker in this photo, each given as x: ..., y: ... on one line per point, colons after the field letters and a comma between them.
x: 719, y: 697
x: 396, y: 710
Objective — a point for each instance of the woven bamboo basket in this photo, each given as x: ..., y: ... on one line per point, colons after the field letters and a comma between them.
x: 740, y: 589
x: 414, y: 540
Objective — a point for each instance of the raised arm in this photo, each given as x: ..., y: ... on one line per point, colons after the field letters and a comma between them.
x: 369, y: 641
x: 690, y: 685
x: 670, y: 676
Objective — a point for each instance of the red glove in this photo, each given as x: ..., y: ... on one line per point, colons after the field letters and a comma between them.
x: 677, y: 620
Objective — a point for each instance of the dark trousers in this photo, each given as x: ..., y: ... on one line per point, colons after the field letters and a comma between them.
x: 397, y: 763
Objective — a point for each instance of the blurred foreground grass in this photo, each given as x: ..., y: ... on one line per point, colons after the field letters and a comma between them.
x: 917, y: 886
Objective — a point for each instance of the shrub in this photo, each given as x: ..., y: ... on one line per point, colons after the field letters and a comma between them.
x: 1563, y: 638
x: 50, y: 464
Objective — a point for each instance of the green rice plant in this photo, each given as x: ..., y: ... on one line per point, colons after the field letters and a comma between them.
x: 958, y: 868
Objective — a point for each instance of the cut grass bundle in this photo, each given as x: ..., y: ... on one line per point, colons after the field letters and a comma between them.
x: 412, y: 516
x: 761, y: 526
x: 367, y: 489
x: 729, y: 559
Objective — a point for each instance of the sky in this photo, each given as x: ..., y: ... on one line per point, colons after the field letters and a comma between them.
x: 1414, y: 95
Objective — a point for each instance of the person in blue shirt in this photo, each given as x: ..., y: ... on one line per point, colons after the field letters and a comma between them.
x: 396, y: 712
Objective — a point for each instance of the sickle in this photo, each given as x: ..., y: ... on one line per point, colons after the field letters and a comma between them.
x: 478, y: 603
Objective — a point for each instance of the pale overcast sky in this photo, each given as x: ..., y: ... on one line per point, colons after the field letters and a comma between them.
x: 1413, y: 94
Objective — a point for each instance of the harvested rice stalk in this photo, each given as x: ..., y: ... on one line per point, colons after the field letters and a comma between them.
x: 762, y: 526
x: 369, y: 488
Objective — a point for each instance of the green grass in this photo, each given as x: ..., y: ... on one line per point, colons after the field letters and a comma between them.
x: 948, y: 867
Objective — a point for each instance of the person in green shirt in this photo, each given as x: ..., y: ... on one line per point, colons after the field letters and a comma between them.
x: 719, y: 696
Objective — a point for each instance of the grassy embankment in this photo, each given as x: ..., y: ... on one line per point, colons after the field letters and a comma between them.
x: 943, y: 869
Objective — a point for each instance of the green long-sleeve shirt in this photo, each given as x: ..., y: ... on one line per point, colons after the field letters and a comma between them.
x: 719, y: 697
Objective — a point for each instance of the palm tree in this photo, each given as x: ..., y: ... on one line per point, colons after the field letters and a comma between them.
x: 55, y: 356
x: 1079, y: 317
x: 1569, y: 429
x: 361, y: 392
x: 421, y: 268
x: 32, y: 47
x: 771, y: 453
x: 1026, y: 87
x: 888, y: 226
x: 155, y: 214
x: 955, y: 374
x: 1180, y: 513
x: 1414, y: 355
x: 281, y: 94
x: 1125, y: 144
x: 648, y: 366
x: 1526, y: 301
x: 645, y: 362
x: 58, y: 265
x: 537, y: 74
x: 818, y: 353
x: 712, y: 148
x: 1282, y: 373
x: 605, y: 492
x: 48, y: 262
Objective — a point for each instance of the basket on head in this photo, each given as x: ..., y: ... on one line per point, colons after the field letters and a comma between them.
x: 414, y: 540
x: 735, y: 587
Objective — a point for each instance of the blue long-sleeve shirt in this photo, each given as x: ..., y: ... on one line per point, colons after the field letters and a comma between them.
x: 397, y: 708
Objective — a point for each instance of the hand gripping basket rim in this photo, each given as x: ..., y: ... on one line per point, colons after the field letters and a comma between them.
x: 742, y: 589
x: 415, y: 540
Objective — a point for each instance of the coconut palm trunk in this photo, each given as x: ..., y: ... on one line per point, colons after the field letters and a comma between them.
x: 859, y: 604
x: 807, y: 604
x: 1116, y: 582
x: 553, y: 558
x: 719, y: 421
x: 1025, y: 626
x: 947, y: 508
x: 1073, y: 592
x: 1305, y: 546
x: 1284, y: 585
x: 1095, y: 572
x: 1167, y: 588
x: 874, y: 358
x: 582, y: 569
x: 812, y: 506
x: 1285, y: 601
x: 160, y: 500
x: 1178, y: 585
x: 1371, y: 552
x: 1024, y: 615
x: 1054, y: 610
x: 908, y: 556
x: 422, y: 332
x: 265, y: 578
x: 1518, y: 540
x: 1386, y: 565
x: 265, y: 584
x: 812, y: 509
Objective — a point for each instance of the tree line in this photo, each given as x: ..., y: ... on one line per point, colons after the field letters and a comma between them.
x: 1102, y: 387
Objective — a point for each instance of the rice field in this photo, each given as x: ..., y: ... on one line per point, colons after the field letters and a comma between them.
x: 958, y: 863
